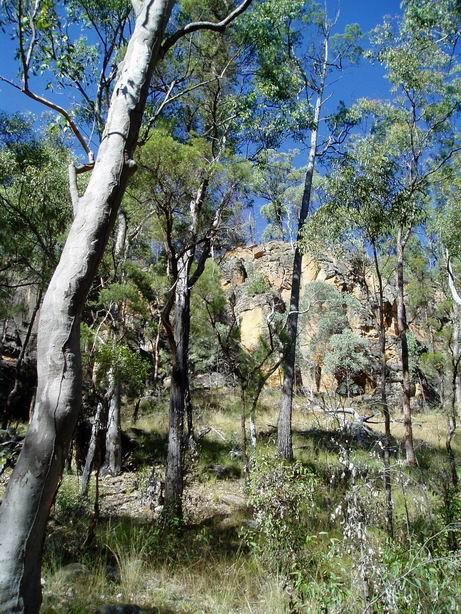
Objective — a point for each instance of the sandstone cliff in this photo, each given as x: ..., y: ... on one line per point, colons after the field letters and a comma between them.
x: 259, y: 276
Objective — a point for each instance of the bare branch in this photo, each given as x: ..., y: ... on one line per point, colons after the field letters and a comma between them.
x: 55, y: 107
x: 205, y: 25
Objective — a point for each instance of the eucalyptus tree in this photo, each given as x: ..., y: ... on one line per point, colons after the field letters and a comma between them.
x: 358, y: 203
x: 298, y: 53
x: 32, y: 487
x: 203, y: 184
x: 192, y: 189
x: 421, y: 57
x: 446, y: 226
x: 325, y: 314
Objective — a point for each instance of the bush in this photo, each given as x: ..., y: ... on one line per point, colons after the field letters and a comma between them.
x: 257, y: 284
x: 280, y: 494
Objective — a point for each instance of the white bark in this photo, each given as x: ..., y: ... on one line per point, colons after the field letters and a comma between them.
x: 451, y: 282
x: 33, y: 485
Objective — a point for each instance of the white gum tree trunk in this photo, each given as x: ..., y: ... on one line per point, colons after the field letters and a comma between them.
x: 32, y: 487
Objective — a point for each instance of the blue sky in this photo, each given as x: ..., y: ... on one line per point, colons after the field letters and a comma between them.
x: 359, y: 81
x: 362, y: 81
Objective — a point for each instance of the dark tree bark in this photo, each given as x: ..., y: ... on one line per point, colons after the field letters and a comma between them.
x: 179, y: 337
x: 384, y: 404
x: 402, y: 329
x: 113, y: 459
x: 12, y: 396
x: 179, y: 390
x: 284, y: 431
x: 85, y: 480
x: 32, y: 487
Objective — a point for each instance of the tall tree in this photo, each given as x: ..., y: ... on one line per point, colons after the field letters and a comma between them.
x: 358, y: 202
x: 294, y: 68
x: 421, y: 57
x: 192, y: 191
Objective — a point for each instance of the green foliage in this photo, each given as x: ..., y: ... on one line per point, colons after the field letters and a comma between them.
x: 257, y: 284
x: 286, y: 39
x: 280, y: 184
x: 432, y: 364
x: 34, y: 206
x: 207, y: 298
x: 414, y: 353
x: 128, y: 367
x: 325, y: 312
x: 281, y: 496
x: 416, y: 578
x: 347, y: 355
x: 267, y: 28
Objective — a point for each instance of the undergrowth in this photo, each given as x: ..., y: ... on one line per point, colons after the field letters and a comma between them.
x: 302, y: 537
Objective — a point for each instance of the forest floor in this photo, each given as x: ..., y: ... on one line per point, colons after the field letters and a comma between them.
x: 126, y: 561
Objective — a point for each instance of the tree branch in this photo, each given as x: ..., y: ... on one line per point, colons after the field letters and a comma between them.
x: 55, y: 107
x: 204, y: 25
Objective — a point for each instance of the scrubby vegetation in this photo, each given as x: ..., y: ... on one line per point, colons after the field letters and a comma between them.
x: 294, y: 537
x: 229, y: 307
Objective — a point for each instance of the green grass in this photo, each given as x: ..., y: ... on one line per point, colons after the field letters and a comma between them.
x: 217, y: 562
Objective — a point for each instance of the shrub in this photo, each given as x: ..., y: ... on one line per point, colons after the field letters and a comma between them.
x: 257, y: 284
x: 280, y: 495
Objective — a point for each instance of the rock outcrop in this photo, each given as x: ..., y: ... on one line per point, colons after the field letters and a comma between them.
x: 259, y: 278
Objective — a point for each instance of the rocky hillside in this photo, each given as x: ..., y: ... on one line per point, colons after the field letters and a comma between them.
x: 259, y: 276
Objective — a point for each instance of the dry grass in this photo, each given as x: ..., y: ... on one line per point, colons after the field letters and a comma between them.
x: 208, y: 568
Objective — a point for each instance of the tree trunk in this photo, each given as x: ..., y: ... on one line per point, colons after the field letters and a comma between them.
x: 254, y: 404
x: 452, y: 417
x: 253, y: 433
x: 384, y: 404
x: 17, y: 373
x: 156, y: 351
x: 113, y: 458
x: 456, y: 333
x: 32, y: 487
x: 85, y: 480
x: 189, y: 411
x: 243, y: 426
x: 180, y: 400
x: 135, y: 416
x: 284, y: 434
x: 402, y: 328
x: 179, y: 390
